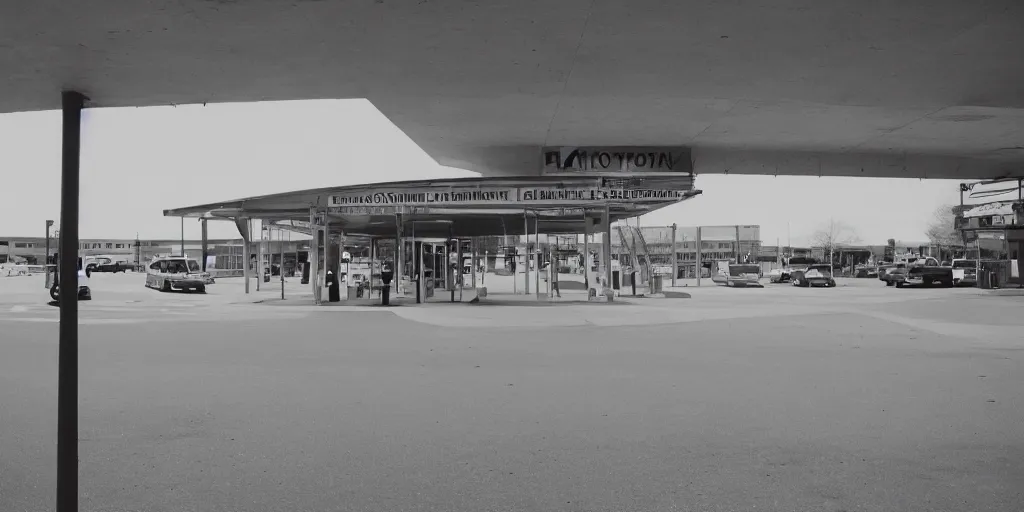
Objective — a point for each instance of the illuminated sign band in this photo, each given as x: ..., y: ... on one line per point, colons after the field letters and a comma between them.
x: 369, y: 203
x: 426, y: 197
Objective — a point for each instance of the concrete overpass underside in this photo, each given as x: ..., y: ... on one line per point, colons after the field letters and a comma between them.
x: 915, y: 88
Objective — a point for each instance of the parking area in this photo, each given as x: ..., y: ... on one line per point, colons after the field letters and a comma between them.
x: 858, y: 397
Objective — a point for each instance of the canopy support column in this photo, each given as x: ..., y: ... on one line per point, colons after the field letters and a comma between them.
x: 67, y: 358
x: 472, y: 260
x: 586, y: 252
x: 314, y: 255
x: 399, y: 255
x: 606, y: 244
x: 373, y: 259
x: 526, y: 253
x: 280, y: 267
x: 259, y: 257
x: 536, y: 253
x: 206, y: 243
x: 700, y: 257
x: 675, y: 256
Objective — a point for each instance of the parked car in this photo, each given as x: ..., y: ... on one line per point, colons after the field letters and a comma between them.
x: 738, y: 275
x: 895, y: 274
x: 112, y: 266
x: 778, y: 275
x: 965, y: 272
x: 84, y: 291
x: 815, y: 275
x: 176, y: 272
x: 865, y: 271
x: 13, y: 269
x: 785, y: 274
x: 926, y: 272
x: 744, y: 275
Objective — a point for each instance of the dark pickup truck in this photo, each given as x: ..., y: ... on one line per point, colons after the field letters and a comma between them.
x: 106, y: 265
x: 926, y: 272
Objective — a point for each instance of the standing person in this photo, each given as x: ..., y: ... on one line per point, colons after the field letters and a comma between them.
x: 554, y: 278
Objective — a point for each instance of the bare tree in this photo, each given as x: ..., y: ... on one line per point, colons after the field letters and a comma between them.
x: 941, y: 228
x: 834, y: 234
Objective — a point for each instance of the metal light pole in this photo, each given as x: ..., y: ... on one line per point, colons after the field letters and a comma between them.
x: 72, y: 104
x: 46, y: 259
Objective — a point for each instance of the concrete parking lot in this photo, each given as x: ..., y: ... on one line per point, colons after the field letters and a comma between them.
x: 860, y: 397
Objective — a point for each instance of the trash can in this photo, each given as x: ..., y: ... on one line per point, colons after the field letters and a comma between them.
x: 657, y: 281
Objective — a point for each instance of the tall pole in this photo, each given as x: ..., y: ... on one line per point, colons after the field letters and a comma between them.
x: 789, y: 241
x: 46, y: 260
x: 700, y: 258
x: 675, y: 255
x: 183, y: 237
x: 737, y: 243
x: 67, y: 364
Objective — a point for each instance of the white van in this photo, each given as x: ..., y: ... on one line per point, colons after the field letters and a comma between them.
x: 175, y: 272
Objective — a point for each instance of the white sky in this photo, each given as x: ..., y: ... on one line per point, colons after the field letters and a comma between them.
x: 137, y: 162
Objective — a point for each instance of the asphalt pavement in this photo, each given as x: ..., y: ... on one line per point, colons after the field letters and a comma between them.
x: 859, y: 397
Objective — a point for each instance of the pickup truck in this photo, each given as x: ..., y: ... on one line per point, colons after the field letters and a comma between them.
x: 965, y: 272
x: 926, y: 272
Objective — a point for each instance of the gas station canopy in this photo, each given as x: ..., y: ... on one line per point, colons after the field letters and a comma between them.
x: 463, y: 207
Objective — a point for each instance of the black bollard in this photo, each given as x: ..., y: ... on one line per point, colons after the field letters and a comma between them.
x: 333, y: 289
x: 385, y: 289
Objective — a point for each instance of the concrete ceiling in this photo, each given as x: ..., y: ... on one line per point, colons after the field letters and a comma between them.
x: 921, y: 88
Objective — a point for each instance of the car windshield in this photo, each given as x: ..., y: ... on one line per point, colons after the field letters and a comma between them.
x: 193, y: 266
x: 965, y: 264
x: 824, y: 269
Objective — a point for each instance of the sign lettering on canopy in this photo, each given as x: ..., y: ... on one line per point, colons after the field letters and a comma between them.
x: 597, y: 159
x: 558, y: 195
x: 425, y: 197
x: 382, y: 203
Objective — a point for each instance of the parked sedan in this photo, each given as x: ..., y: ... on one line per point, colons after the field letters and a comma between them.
x: 779, y: 275
x: 895, y: 276
x: 815, y: 275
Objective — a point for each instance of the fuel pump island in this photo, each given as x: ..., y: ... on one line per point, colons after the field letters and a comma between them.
x: 418, y: 221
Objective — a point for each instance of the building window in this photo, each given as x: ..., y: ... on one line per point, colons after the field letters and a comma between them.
x: 23, y: 245
x: 110, y: 246
x: 119, y: 246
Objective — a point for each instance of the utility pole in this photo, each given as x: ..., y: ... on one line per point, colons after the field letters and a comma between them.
x: 46, y: 260
x: 675, y: 256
